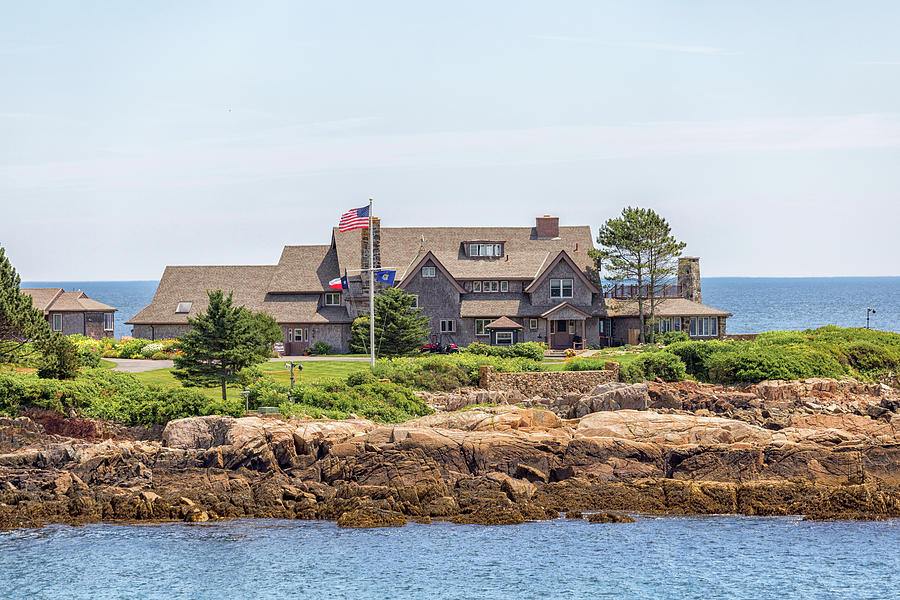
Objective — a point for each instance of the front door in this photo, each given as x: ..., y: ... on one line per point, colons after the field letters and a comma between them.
x: 561, y: 333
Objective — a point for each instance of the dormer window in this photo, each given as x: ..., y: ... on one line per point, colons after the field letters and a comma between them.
x: 183, y: 308
x: 561, y: 288
x: 427, y: 271
x: 483, y: 249
x: 332, y: 299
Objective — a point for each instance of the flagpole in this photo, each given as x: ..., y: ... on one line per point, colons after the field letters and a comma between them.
x: 371, y: 288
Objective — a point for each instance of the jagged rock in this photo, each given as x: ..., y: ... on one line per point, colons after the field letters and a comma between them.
x: 609, y: 517
x: 371, y: 517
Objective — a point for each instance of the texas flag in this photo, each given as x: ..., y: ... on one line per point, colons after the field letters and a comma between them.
x: 338, y: 284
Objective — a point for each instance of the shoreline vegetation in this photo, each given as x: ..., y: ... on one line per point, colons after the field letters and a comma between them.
x: 790, y: 423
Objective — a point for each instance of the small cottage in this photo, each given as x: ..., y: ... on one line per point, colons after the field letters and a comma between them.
x: 73, y: 312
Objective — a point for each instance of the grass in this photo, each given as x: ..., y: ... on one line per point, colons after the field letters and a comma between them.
x: 312, y: 371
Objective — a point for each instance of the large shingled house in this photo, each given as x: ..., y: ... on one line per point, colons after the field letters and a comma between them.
x: 498, y: 285
x: 73, y: 312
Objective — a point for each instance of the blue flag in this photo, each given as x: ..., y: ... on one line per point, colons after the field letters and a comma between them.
x: 344, y: 283
x: 385, y: 277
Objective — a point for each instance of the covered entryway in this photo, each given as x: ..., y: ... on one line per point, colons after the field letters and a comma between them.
x: 504, y: 331
x: 566, y: 327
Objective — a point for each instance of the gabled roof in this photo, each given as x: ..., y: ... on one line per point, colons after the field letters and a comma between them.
x: 563, y: 306
x: 563, y: 256
x: 526, y: 253
x: 305, y: 269
x: 503, y: 323
x: 665, y: 307
x: 440, y: 267
x: 58, y: 300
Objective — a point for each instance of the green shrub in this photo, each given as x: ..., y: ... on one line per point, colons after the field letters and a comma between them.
x: 695, y: 354
x: 132, y: 348
x: 753, y: 363
x: 88, y: 357
x: 378, y: 401
x: 321, y: 348
x: 780, y: 338
x: 585, y: 364
x: 670, y: 337
x: 59, y: 358
x: 150, y: 349
x: 871, y: 358
x: 653, y: 365
x: 159, y: 356
x: 447, y: 372
x: 530, y: 350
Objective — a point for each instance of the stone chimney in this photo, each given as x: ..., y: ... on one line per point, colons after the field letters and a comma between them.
x: 689, y: 277
x: 547, y: 227
x: 364, y: 249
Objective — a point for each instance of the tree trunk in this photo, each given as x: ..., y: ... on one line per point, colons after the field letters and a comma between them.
x: 640, y: 296
x: 224, y: 381
x: 652, y: 316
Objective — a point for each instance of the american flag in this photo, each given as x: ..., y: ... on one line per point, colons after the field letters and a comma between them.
x: 355, y: 218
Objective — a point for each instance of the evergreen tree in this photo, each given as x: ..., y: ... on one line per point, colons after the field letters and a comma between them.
x: 399, y: 328
x: 20, y: 322
x: 222, y: 341
x: 637, y: 247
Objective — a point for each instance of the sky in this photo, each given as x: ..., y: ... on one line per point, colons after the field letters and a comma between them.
x: 138, y: 135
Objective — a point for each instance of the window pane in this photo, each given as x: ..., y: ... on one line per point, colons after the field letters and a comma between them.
x: 714, y: 326
x: 567, y: 288
x: 693, y: 326
x: 504, y: 286
x: 476, y: 286
x: 497, y: 250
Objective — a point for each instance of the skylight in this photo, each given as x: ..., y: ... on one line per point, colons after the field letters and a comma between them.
x: 183, y: 307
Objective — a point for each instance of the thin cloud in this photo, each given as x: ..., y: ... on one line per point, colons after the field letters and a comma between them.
x: 662, y: 47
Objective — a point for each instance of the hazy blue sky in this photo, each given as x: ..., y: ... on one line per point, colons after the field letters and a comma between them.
x: 136, y: 135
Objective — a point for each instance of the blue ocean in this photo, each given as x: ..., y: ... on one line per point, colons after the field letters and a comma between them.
x: 758, y: 303
x: 707, y: 558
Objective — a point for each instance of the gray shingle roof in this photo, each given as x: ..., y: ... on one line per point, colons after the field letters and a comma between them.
x: 305, y: 269
x: 668, y: 307
x: 401, y: 247
x: 57, y: 300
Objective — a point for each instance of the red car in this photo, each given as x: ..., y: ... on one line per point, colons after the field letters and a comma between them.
x: 432, y: 347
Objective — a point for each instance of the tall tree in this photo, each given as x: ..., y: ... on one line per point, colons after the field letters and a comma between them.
x: 399, y: 327
x: 20, y: 322
x: 222, y: 341
x: 637, y: 247
x: 663, y: 251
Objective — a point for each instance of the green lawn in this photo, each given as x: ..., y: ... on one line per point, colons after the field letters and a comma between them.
x: 312, y: 371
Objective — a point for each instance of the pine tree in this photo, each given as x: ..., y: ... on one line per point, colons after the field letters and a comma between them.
x: 399, y: 327
x: 222, y: 341
x: 638, y: 246
x: 20, y: 322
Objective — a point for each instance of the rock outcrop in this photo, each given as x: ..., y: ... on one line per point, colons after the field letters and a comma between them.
x: 817, y: 447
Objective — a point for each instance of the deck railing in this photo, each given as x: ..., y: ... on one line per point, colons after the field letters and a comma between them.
x: 624, y: 291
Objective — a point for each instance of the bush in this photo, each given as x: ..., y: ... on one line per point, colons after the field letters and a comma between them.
x: 753, y: 363
x: 653, y: 365
x: 159, y: 356
x: 150, y: 349
x: 379, y: 401
x: 695, y: 354
x: 670, y: 337
x: 132, y: 348
x: 530, y: 350
x: 447, y: 372
x: 585, y: 364
x: 88, y: 357
x: 869, y: 357
x: 321, y: 348
x: 59, y: 358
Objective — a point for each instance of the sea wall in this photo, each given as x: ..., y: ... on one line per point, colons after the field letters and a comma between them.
x: 551, y: 384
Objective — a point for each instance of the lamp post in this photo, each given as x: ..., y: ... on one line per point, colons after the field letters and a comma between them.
x: 869, y: 310
x: 293, y: 365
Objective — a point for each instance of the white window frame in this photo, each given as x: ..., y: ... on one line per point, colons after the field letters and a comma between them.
x: 53, y: 324
x: 713, y: 326
x: 666, y: 324
x: 560, y: 285
x: 428, y: 272
x: 415, y: 300
x: 448, y: 326
x: 112, y: 321
x: 704, y: 326
x: 483, y: 323
x: 183, y: 308
x: 532, y: 323
x: 491, y: 286
x: 331, y: 296
x: 483, y: 250
x: 297, y: 335
x: 504, y: 286
x: 602, y: 327
x: 507, y: 338
x: 476, y: 286
x: 570, y: 326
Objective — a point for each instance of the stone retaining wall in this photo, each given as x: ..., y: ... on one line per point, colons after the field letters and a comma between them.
x: 552, y: 384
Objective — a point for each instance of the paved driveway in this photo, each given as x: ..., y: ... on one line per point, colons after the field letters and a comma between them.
x: 139, y: 365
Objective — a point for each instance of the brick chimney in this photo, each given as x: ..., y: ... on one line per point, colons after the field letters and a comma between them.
x: 547, y: 227
x: 689, y: 277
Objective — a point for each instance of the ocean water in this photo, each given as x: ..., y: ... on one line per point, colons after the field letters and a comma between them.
x: 673, y: 557
x: 758, y: 303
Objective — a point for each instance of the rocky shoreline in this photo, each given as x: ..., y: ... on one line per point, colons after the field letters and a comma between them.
x: 821, y: 448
